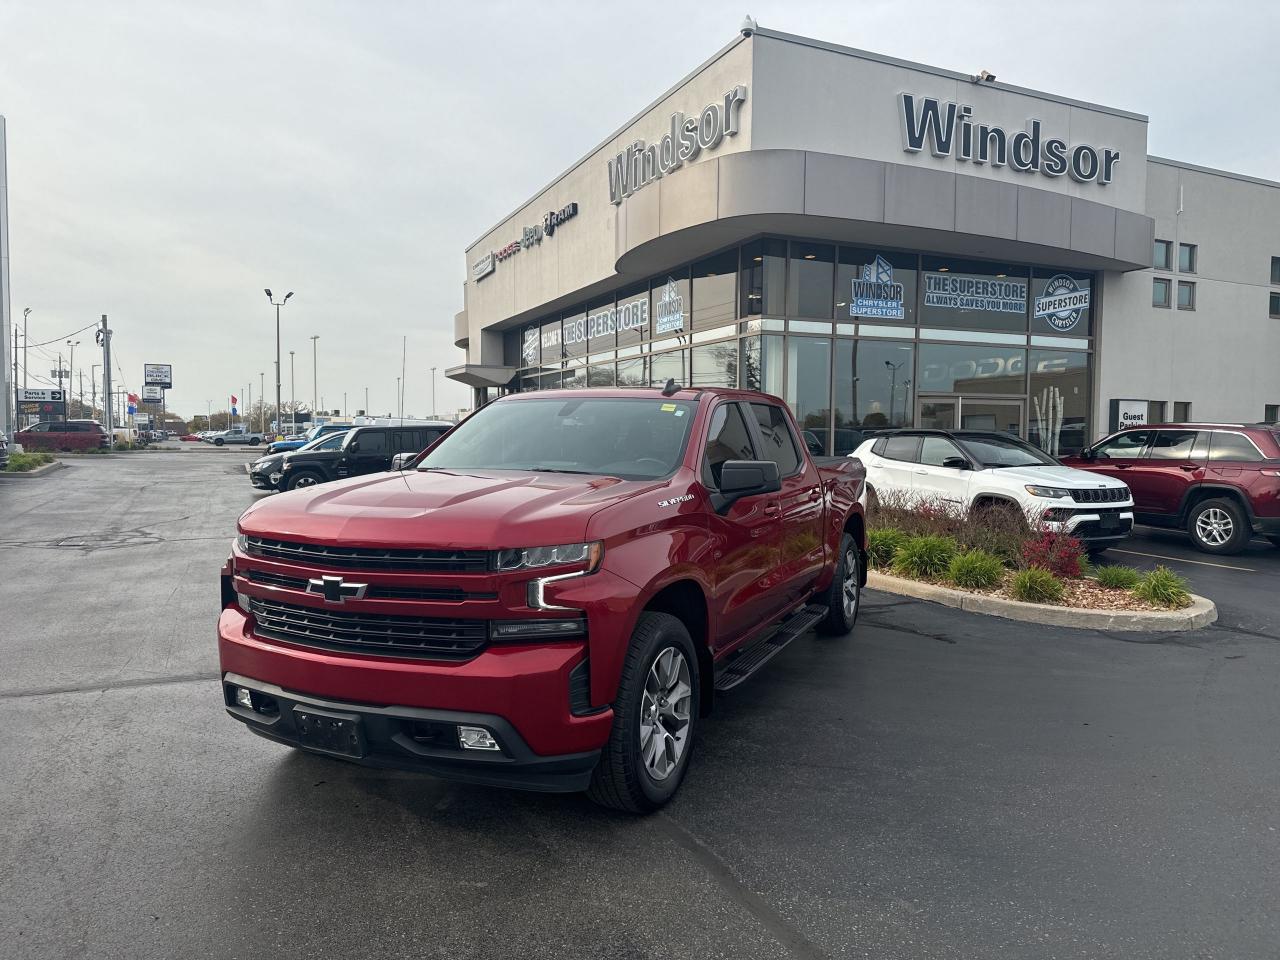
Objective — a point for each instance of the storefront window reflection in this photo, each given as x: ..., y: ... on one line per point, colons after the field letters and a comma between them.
x: 879, y: 392
x: 808, y: 389
x: 669, y: 366
x: 973, y: 295
x: 715, y: 284
x: 961, y: 368
x: 810, y: 280
x: 762, y: 364
x: 764, y: 278
x: 1058, y: 408
x: 715, y: 365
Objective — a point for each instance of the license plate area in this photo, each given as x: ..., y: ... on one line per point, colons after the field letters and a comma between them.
x: 338, y: 733
x: 1109, y: 521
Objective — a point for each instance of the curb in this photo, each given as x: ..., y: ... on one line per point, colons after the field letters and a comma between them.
x: 1201, y: 613
x: 32, y: 474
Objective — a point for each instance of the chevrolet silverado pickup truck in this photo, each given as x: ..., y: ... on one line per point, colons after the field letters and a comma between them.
x: 550, y: 596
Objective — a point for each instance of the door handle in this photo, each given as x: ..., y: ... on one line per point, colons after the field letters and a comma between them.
x: 770, y: 509
x: 815, y: 494
x: 1188, y: 466
x: 921, y: 473
x: 1122, y: 466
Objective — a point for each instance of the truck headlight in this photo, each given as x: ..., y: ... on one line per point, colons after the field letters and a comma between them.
x: 242, y: 542
x: 1054, y: 493
x: 532, y: 558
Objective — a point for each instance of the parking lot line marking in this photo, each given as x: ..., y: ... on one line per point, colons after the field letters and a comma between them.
x: 1202, y: 563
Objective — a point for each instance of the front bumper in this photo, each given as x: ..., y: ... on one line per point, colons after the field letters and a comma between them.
x: 411, y: 738
x: 1100, y: 525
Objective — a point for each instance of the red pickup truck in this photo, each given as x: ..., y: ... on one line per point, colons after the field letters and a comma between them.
x: 550, y: 596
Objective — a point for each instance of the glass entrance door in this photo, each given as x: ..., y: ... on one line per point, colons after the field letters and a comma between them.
x: 971, y: 413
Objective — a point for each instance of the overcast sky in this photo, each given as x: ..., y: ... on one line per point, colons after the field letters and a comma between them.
x: 169, y: 160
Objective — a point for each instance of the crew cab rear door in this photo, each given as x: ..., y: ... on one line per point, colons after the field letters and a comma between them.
x: 799, y: 503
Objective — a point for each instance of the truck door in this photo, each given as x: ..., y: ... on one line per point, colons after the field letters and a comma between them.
x: 743, y: 564
x: 368, y: 452
x: 801, y: 550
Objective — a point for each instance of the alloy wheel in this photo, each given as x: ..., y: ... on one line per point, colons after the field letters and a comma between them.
x: 849, y: 589
x: 664, y: 713
x: 305, y: 481
x: 1215, y: 527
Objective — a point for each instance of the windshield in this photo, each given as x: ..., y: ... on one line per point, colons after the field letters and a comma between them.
x: 997, y: 451
x: 330, y: 441
x: 639, y: 438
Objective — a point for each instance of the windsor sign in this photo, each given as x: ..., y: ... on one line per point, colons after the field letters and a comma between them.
x: 948, y: 128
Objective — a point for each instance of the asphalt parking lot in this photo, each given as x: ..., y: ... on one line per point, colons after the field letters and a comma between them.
x: 939, y: 784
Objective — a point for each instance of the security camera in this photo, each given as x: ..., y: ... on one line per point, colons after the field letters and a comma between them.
x: 986, y: 76
x: 749, y: 26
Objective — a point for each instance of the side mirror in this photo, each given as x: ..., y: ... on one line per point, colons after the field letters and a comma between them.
x: 353, y: 446
x: 400, y: 460
x: 745, y: 478
x: 956, y: 463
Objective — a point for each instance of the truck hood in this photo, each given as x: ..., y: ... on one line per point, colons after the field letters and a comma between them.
x: 1054, y: 476
x: 438, y: 508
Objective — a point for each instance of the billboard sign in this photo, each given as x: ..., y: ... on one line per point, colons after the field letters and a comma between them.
x: 153, y: 394
x: 158, y: 375
x: 35, y: 396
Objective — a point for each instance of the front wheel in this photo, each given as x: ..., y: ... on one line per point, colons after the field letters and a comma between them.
x: 844, y: 596
x: 654, y: 716
x: 218, y: 442
x: 1218, y: 526
x: 302, y: 479
x: 1275, y: 541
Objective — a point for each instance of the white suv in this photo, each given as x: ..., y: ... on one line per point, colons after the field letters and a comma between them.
x: 962, y: 470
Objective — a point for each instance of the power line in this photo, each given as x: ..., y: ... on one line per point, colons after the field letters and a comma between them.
x: 63, y: 337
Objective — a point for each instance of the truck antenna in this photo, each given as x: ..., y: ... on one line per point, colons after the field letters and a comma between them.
x: 670, y: 389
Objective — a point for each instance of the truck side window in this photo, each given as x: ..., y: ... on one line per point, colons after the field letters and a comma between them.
x: 373, y: 441
x: 776, y: 437
x: 728, y: 439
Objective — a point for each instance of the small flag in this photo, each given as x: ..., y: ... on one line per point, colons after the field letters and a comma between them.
x: 234, y: 400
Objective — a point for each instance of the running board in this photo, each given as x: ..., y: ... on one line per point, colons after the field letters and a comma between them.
x: 745, y: 664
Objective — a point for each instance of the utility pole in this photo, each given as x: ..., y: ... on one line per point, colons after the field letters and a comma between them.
x: 404, y: 351
x: 26, y: 312
x: 59, y: 370
x: 104, y: 338
x: 93, y: 390
x: 344, y: 403
x: 315, y: 382
x: 248, y: 421
x: 293, y: 403
x: 71, y: 368
x: 272, y: 301
x: 433, y: 394
x: 262, y: 394
x: 366, y: 401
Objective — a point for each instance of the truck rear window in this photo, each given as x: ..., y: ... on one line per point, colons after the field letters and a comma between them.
x: 641, y: 438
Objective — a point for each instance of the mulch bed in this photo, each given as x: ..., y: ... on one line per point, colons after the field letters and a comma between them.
x: 1083, y: 593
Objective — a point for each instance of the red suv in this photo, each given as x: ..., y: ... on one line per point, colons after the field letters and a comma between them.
x: 63, y: 435
x: 1218, y: 481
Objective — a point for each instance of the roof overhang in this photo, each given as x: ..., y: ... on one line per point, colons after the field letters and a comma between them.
x: 478, y: 375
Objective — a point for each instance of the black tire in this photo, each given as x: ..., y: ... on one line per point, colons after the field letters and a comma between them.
x: 217, y: 441
x: 303, y: 478
x: 621, y: 779
x: 1095, y: 553
x: 1275, y: 541
x: 1218, y: 526
x: 840, y: 618
x: 254, y: 441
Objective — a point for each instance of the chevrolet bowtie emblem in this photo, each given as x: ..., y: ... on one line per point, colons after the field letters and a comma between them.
x: 335, y: 589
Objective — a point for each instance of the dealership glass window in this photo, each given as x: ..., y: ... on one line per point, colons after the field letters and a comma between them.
x: 573, y: 336
x: 1162, y: 257
x: 973, y: 294
x: 550, y: 343
x: 715, y: 284
x: 511, y: 348
x: 530, y: 347
x: 669, y: 304
x: 869, y: 268
x: 575, y: 377
x: 1186, y: 295
x: 762, y: 289
x: 1058, y: 408
x: 1275, y: 270
x: 633, y: 373
x: 1187, y: 255
x: 1181, y: 411
x: 1274, y: 306
x: 601, y: 324
x: 632, y: 316
x: 1271, y: 413
x: 962, y: 368
x: 1061, y: 302
x: 1161, y: 290
x: 669, y: 366
x: 600, y: 375
x: 551, y: 381
x: 715, y: 365
x: 762, y: 364
x: 879, y: 394
x: 809, y: 388
x: 810, y: 279
x: 1156, y: 411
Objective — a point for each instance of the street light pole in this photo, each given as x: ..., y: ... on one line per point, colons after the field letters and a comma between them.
x: 93, y: 389
x: 433, y: 394
x: 893, y: 385
x: 71, y: 367
x: 293, y: 403
x: 366, y: 401
x: 315, y: 388
x: 262, y: 401
x: 277, y: 306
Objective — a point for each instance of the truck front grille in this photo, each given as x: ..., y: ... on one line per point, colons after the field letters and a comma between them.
x: 376, y: 591
x: 370, y: 558
x: 369, y: 632
x: 1101, y: 495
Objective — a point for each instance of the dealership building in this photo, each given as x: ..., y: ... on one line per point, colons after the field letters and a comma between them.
x: 885, y: 243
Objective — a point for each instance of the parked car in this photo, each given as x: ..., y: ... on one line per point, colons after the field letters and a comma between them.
x: 237, y: 435
x: 551, y: 598
x: 1219, y: 482
x: 190, y: 438
x: 63, y: 435
x: 967, y: 470
x: 364, y: 450
x: 297, y: 442
x: 4, y: 451
x: 266, y: 472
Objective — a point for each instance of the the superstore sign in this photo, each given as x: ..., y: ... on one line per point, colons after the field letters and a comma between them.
x: 959, y: 292
x: 628, y: 315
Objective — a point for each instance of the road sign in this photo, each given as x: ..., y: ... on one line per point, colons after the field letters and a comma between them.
x: 60, y: 374
x: 152, y: 393
x: 38, y: 395
x: 158, y: 374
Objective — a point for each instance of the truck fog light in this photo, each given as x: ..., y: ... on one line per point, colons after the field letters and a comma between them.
x: 244, y: 698
x: 476, y: 738
x: 242, y: 601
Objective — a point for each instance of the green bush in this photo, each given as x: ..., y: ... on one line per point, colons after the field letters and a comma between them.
x: 1162, y: 587
x: 22, y: 462
x: 924, y: 557
x: 883, y: 544
x: 1036, y: 585
x: 975, y: 570
x: 1116, y: 576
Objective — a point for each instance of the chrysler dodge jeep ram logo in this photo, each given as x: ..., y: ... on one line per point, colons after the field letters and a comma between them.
x: 336, y: 590
x: 1062, y: 303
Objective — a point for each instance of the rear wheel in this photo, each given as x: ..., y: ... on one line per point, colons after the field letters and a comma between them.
x: 654, y: 716
x: 1275, y: 541
x: 844, y: 596
x: 217, y: 441
x: 1218, y: 526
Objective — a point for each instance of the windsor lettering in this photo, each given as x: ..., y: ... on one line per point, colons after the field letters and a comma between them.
x: 949, y: 128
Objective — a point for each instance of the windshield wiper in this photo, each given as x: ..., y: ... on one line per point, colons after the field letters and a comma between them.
x: 558, y: 470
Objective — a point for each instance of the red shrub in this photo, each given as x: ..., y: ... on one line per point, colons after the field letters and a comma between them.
x: 1059, y: 553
